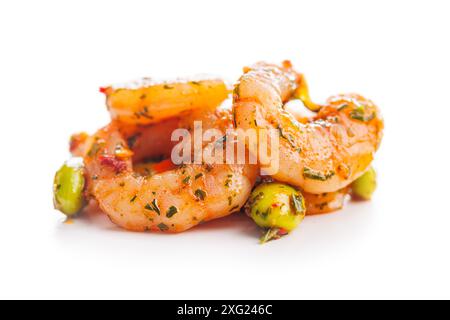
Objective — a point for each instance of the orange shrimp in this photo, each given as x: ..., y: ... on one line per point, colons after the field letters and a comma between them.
x: 324, y: 155
x: 173, y: 199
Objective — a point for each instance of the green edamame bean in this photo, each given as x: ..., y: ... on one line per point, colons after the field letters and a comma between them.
x: 68, y: 189
x: 365, y: 186
x: 277, y: 207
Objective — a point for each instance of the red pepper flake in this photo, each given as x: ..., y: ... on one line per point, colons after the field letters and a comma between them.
x: 282, y: 232
x: 111, y: 161
x: 103, y: 90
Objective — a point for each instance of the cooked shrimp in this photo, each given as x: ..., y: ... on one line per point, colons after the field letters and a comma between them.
x: 171, y: 201
x: 324, y: 155
x: 148, y: 101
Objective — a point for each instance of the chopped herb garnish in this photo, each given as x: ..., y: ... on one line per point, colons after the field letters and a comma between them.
x: 198, y: 176
x: 186, y: 180
x: 167, y: 87
x: 171, y: 212
x: 271, y: 234
x: 234, y: 208
x: 316, y: 175
x: 131, y: 141
x: 288, y: 137
x: 266, y: 213
x: 322, y: 205
x: 259, y: 196
x: 333, y: 119
x: 229, y: 180
x: 200, y: 194
x: 163, y: 227
x: 153, y: 207
x: 143, y: 96
x: 144, y: 114
x: 357, y: 114
x: 298, y: 203
x: 360, y: 114
x: 133, y: 199
x: 342, y: 107
x: 230, y: 200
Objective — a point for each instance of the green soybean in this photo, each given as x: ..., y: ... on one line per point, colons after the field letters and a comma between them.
x: 365, y: 186
x: 68, y: 189
x: 276, y: 207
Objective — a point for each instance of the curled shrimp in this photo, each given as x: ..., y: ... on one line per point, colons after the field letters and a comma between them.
x: 323, y: 155
x: 148, y: 101
x: 174, y: 199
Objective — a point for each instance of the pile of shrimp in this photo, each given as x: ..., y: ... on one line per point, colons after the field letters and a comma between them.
x: 130, y: 175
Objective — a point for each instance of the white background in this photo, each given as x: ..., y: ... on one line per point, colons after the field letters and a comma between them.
x: 55, y: 54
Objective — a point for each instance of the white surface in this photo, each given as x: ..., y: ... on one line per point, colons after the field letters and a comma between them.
x: 55, y: 54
